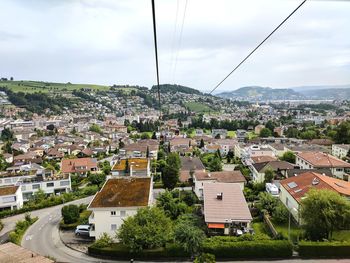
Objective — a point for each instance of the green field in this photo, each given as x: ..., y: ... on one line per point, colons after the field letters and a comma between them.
x: 198, y: 107
x: 40, y: 86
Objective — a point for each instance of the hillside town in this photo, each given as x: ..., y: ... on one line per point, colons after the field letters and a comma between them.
x: 243, y: 173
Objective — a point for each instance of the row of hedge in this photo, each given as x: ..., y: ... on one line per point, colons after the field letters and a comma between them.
x: 51, y: 201
x: 122, y: 252
x: 221, y: 250
x: 308, y: 249
x: 249, y: 249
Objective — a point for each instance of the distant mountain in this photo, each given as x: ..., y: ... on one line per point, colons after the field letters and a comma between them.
x: 256, y: 93
x: 172, y: 88
x: 327, y: 94
x: 320, y: 87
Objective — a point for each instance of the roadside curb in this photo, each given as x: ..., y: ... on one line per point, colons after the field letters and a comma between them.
x: 69, y: 246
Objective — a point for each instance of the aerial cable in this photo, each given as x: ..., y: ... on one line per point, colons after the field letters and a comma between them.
x: 173, y: 39
x: 257, y: 47
x: 156, y: 54
x: 180, y: 39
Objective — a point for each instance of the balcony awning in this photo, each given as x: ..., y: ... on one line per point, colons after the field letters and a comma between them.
x: 216, y: 225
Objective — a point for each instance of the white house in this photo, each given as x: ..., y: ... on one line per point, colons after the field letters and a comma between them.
x: 10, y: 198
x: 340, y: 150
x: 318, y: 160
x: 119, y: 198
x: 294, y: 189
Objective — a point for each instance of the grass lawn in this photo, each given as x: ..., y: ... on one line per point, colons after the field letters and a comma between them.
x: 198, y: 107
x: 231, y: 134
x: 40, y: 86
x: 295, y: 230
x: 261, y: 228
x: 342, y: 235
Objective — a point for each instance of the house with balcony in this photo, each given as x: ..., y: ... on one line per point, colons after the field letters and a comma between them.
x: 340, y: 150
x: 118, y: 199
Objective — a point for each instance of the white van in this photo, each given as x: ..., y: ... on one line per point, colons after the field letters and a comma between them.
x: 272, y: 189
x: 82, y: 230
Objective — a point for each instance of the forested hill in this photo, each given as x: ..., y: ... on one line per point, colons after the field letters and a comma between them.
x: 172, y: 88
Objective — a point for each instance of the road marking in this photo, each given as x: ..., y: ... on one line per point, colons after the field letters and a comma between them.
x: 29, y: 237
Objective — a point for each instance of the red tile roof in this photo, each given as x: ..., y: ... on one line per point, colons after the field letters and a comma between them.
x: 298, y: 186
x: 320, y: 159
x: 71, y: 165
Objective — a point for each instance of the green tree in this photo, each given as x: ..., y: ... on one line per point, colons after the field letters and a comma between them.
x: 288, y: 157
x: 70, y: 213
x: 265, y: 132
x: 267, y: 202
x: 149, y: 228
x: 145, y: 136
x: 154, y: 136
x: 189, y: 237
x: 215, y: 164
x: 96, y: 179
x: 343, y: 133
x: 324, y: 211
x: 172, y: 206
x: 201, y: 145
x: 281, y: 213
x: 269, y: 175
x: 6, y: 134
x: 170, y: 176
x: 95, y: 128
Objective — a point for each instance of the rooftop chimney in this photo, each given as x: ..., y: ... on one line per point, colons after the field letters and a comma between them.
x: 220, y: 196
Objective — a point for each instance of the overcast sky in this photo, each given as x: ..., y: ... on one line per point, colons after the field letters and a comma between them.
x: 111, y: 42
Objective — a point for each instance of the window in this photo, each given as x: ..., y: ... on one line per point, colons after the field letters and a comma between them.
x: 64, y: 183
x: 122, y: 213
x: 113, y: 227
x: 36, y: 186
x: 23, y: 187
x: 50, y: 184
x: 113, y: 213
x: 9, y: 199
x: 339, y: 169
x: 8, y: 181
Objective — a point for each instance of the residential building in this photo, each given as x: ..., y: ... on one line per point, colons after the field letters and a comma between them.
x: 201, y: 177
x: 225, y: 208
x: 258, y: 128
x: 190, y: 165
x: 340, y: 150
x: 142, y: 148
x: 294, y: 189
x: 219, y: 133
x: 278, y: 167
x: 317, y: 160
x: 138, y: 167
x: 80, y: 166
x: 118, y: 199
x: 10, y: 197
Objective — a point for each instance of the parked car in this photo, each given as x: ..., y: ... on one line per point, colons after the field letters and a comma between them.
x: 82, y: 230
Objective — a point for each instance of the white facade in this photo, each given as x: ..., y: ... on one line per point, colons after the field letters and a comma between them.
x: 12, y: 201
x: 291, y: 204
x: 109, y: 220
x: 340, y: 150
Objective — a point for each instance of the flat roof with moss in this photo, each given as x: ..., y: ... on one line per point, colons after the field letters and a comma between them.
x: 123, y: 192
x: 136, y: 163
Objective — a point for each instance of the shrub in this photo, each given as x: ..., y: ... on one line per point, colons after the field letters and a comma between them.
x: 249, y: 249
x: 281, y: 213
x: 70, y: 214
x: 104, y: 241
x: 308, y: 249
x: 205, y: 258
x: 21, y: 227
